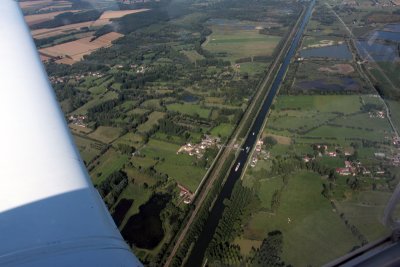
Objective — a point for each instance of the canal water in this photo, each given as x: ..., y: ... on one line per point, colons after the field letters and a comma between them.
x: 197, y: 254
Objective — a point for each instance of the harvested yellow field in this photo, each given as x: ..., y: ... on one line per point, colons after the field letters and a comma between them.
x: 38, y: 18
x: 44, y: 33
x: 60, y: 4
x: 120, y: 13
x: 29, y: 4
x: 71, y: 52
x: 104, y: 19
x: 108, y: 15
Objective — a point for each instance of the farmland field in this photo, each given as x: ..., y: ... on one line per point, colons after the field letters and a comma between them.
x: 95, y: 101
x: 38, y: 18
x: 152, y: 120
x: 105, y: 134
x: 44, y: 33
x: 240, y: 43
x: 190, y: 109
x: 301, y: 206
x: 75, y: 50
x: 178, y: 166
x: 320, y: 103
x: 108, y: 163
x: 109, y: 14
x: 223, y: 130
x: 88, y: 148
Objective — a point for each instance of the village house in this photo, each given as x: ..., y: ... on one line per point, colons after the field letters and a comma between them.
x: 185, y: 194
x: 343, y: 171
x: 78, y: 120
x: 332, y: 154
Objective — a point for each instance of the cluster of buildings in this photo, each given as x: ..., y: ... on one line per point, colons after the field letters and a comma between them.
x: 350, y: 167
x: 77, y: 77
x: 259, y: 152
x: 136, y: 68
x: 353, y: 168
x: 394, y: 160
x: 396, y: 141
x: 335, y: 152
x: 199, y: 149
x: 376, y: 114
x: 78, y: 120
x: 185, y: 194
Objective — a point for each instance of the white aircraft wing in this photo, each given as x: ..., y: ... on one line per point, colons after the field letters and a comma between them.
x: 50, y: 213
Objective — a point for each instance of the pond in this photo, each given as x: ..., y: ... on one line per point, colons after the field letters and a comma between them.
x: 334, y: 51
x: 121, y: 209
x: 392, y: 28
x: 385, y: 35
x: 145, y: 230
x: 378, y: 51
x: 346, y: 83
x: 189, y: 98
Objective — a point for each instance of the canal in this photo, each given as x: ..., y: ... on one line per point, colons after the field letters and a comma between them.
x: 197, y: 254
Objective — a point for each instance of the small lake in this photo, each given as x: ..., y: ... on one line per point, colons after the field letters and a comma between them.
x: 145, y: 230
x: 385, y: 35
x: 121, y: 209
x: 392, y: 28
x: 334, y: 51
x: 346, y: 83
x: 378, y: 51
x: 189, y: 98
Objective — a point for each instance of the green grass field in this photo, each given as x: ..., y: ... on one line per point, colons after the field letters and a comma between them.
x: 152, y: 120
x: 88, y: 148
x: 190, y: 109
x: 223, y: 130
x: 392, y: 71
x: 299, y: 119
x: 192, y: 55
x: 364, y: 121
x: 341, y: 133
x: 169, y: 138
x: 239, y: 43
x: 321, y: 103
x: 98, y: 90
x: 139, y: 177
x: 139, y: 111
x: 105, y: 134
x: 97, y: 99
x: 314, y: 229
x: 365, y: 211
x: 178, y: 166
x: 109, y: 162
x: 132, y: 139
x: 151, y: 104
x: 253, y: 68
x: 139, y: 194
